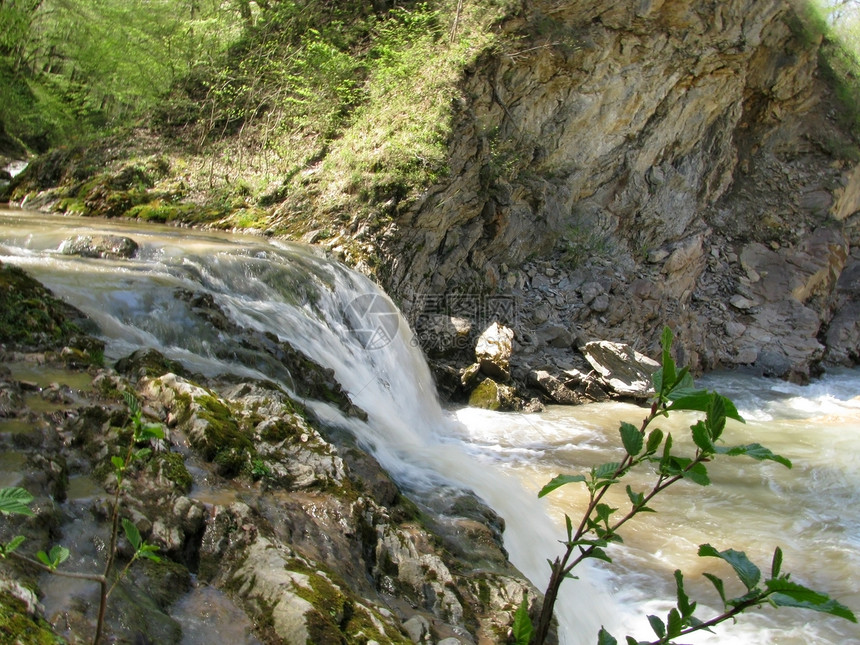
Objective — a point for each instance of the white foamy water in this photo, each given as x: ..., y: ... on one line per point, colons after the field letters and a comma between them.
x: 811, y: 511
x: 341, y: 320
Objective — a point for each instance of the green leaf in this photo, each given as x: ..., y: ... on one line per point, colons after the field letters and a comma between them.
x: 790, y: 594
x: 150, y: 431
x: 718, y: 585
x: 600, y: 554
x: 604, y: 511
x: 657, y: 381
x: 149, y: 551
x: 11, y: 545
x: 568, y: 526
x: 691, y: 400
x: 716, y: 416
x: 703, y: 401
x: 655, y: 438
x: 522, y: 628
x: 684, y: 605
x: 44, y: 559
x: 59, y: 554
x: 143, y: 453
x: 132, y: 402
x: 776, y: 563
x: 605, y: 471
x: 657, y: 625
x: 702, y: 437
x: 756, y: 451
x: 631, y: 438
x: 118, y: 463
x: 605, y: 638
x: 15, y: 501
x: 674, y: 624
x: 684, y: 381
x: 667, y: 451
x: 697, y: 473
x: 729, y: 408
x: 131, y: 533
x: 559, y: 481
x: 748, y: 573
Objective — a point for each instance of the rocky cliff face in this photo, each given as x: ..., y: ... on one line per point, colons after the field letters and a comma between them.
x: 620, y: 166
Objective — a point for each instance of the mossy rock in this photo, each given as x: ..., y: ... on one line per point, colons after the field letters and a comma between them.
x: 315, y: 381
x: 17, y: 626
x: 490, y: 395
x: 166, y: 581
x: 149, y: 362
x: 30, y: 315
x: 338, y: 617
x: 224, y: 442
x: 171, y: 465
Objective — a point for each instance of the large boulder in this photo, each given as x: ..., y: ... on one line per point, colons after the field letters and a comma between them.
x: 493, y: 351
x: 493, y: 396
x: 554, y: 388
x: 99, y: 246
x: 622, y: 369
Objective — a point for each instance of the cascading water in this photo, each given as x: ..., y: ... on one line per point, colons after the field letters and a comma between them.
x: 337, y: 317
x: 342, y: 321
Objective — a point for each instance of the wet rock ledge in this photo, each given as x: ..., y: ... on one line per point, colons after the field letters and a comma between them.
x: 247, y: 494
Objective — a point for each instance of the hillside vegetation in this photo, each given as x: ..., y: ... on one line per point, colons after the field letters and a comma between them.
x: 248, y: 105
x: 300, y: 117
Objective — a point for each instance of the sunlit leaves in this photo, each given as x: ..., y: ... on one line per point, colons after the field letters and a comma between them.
x: 655, y: 438
x: 11, y: 545
x: 522, y: 627
x: 558, y: 481
x: 676, y: 392
x: 54, y: 558
x: 15, y: 501
x: 747, y: 572
x: 605, y: 638
x: 756, y: 451
x: 790, y: 594
x: 776, y: 563
x: 141, y: 548
x: 632, y: 439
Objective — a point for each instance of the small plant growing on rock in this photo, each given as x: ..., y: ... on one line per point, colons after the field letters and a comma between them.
x: 600, y: 523
x: 16, y: 501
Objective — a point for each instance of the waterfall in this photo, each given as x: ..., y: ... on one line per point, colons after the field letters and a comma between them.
x: 340, y: 319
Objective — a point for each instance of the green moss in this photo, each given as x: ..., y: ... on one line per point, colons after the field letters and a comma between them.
x: 336, y: 617
x: 30, y: 314
x: 172, y: 466
x: 485, y: 396
x: 225, y: 442
x: 484, y: 592
x: 16, y: 626
x: 231, y: 462
x: 223, y: 430
x: 280, y: 430
x: 162, y: 211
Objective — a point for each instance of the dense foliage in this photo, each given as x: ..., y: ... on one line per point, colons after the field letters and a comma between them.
x: 67, y: 65
x: 346, y: 106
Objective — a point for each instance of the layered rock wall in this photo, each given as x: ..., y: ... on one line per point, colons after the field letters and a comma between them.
x: 620, y: 166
